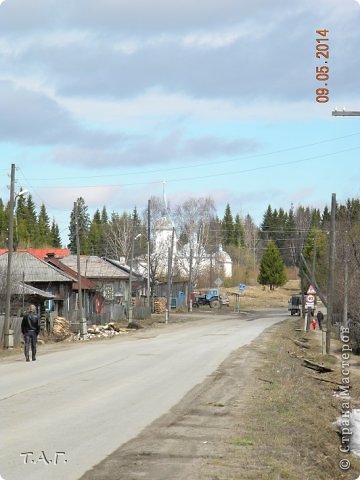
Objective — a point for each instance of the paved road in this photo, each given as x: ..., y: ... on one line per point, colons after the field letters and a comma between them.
x: 73, y: 407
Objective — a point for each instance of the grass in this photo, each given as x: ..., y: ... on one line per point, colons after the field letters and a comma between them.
x: 256, y: 296
x: 291, y: 419
x: 242, y: 442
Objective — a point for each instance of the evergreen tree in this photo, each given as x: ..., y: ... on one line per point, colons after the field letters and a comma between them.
x: 95, y: 238
x: 84, y: 227
x: 315, y: 218
x: 43, y: 237
x: 55, y: 235
x: 20, y: 224
x: 272, y: 268
x: 321, y: 260
x: 104, y: 216
x: 136, y: 221
x: 31, y: 222
x: 325, y: 219
x: 228, y: 227
x: 239, y: 233
x: 267, y: 226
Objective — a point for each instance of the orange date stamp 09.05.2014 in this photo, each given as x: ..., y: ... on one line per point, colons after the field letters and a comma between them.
x: 322, y: 53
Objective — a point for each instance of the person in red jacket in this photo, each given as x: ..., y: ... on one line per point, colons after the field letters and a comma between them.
x: 30, y: 328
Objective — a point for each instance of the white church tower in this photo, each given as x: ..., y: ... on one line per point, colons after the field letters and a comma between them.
x: 164, y: 228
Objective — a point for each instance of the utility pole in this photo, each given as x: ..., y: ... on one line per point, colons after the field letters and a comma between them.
x: 7, y: 343
x: 148, y: 255
x: 78, y: 263
x: 170, y: 262
x: 130, y: 305
x: 343, y: 113
x: 302, y: 286
x: 346, y: 285
x: 330, y: 291
x: 190, y: 279
x: 313, y: 277
x: 314, y: 261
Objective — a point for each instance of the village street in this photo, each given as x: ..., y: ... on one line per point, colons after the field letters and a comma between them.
x: 74, y: 406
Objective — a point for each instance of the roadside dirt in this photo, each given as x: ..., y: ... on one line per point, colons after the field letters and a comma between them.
x: 261, y: 415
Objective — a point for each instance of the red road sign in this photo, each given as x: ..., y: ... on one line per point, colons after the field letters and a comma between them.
x: 311, y: 290
x: 310, y: 299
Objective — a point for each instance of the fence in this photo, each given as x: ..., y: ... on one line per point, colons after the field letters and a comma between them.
x: 15, y: 325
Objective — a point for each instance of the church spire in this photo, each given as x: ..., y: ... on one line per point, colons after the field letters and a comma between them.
x: 164, y: 206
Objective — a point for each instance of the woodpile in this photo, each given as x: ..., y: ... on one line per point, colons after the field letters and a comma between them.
x: 160, y: 304
x: 61, y: 329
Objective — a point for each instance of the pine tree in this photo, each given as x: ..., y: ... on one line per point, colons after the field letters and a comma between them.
x: 95, y: 240
x: 267, y: 226
x: 55, y: 235
x: 43, y: 238
x: 20, y: 224
x: 272, y: 268
x: 315, y: 218
x: 228, y: 227
x: 321, y: 260
x: 104, y: 216
x: 84, y: 227
x: 31, y: 221
x: 325, y: 219
x: 239, y: 233
x: 291, y: 255
x: 136, y: 221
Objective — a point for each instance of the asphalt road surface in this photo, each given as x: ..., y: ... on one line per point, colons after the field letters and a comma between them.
x: 71, y: 408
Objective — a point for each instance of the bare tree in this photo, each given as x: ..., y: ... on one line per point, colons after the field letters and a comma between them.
x: 193, y: 219
x: 251, y: 241
x: 118, y: 242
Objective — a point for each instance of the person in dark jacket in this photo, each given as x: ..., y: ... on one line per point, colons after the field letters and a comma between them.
x: 30, y: 328
x: 320, y: 318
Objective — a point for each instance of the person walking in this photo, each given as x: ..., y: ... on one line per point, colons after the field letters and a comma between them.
x: 320, y: 318
x: 30, y: 328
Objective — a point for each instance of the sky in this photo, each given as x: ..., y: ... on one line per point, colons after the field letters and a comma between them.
x: 107, y: 100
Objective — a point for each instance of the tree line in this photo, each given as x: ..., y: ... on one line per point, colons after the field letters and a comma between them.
x: 32, y: 228
x: 277, y: 243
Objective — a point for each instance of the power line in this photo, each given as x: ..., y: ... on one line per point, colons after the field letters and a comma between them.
x: 215, y: 162
x: 236, y: 172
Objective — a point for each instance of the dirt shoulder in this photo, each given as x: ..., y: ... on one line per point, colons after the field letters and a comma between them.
x: 260, y: 415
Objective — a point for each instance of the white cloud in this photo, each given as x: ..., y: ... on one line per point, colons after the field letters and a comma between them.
x: 63, y: 197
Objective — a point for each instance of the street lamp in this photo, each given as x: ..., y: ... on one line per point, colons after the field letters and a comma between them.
x: 345, y: 113
x: 130, y: 307
x: 15, y: 228
x: 8, y: 343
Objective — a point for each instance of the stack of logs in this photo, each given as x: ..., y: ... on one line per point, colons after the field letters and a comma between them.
x: 61, y: 329
x: 160, y: 304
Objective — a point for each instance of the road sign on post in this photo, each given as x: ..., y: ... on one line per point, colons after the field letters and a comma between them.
x: 311, y: 290
x: 309, y: 301
x: 218, y: 282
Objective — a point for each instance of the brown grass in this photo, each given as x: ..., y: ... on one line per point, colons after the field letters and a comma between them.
x: 288, y: 432
x: 256, y: 296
